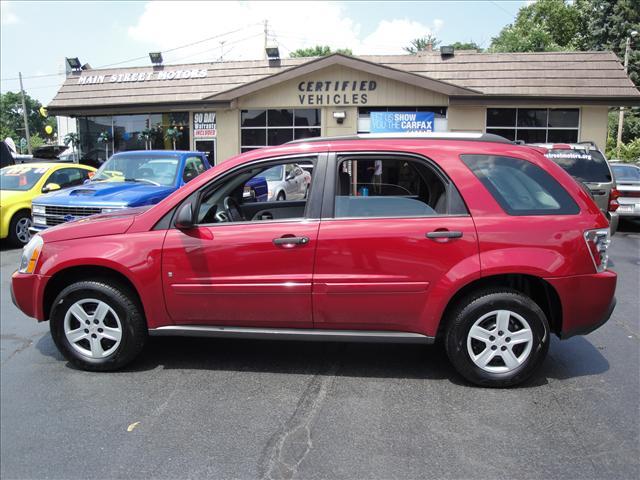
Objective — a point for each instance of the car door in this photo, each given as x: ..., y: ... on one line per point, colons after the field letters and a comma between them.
x: 380, y: 258
x: 253, y: 272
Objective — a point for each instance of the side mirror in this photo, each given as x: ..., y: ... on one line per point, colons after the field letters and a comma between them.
x: 291, y: 176
x: 50, y: 187
x: 248, y: 194
x: 184, y: 219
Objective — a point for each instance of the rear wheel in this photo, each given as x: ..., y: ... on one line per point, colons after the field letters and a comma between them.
x: 19, y: 234
x: 497, y: 338
x: 96, y: 326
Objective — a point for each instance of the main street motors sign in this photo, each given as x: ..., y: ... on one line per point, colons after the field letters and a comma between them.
x: 335, y: 92
x: 142, y: 76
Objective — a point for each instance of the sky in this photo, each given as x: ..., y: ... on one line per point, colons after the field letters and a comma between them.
x: 37, y: 36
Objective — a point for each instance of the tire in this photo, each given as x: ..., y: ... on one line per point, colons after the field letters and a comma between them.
x: 281, y: 197
x: 492, y: 355
x: 19, y: 234
x: 115, y: 334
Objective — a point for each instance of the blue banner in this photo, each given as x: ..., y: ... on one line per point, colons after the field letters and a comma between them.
x: 394, y: 122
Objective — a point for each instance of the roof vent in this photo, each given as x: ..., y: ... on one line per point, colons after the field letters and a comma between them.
x: 447, y: 51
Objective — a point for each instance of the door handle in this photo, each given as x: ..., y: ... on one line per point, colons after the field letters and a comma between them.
x: 443, y: 234
x: 291, y: 241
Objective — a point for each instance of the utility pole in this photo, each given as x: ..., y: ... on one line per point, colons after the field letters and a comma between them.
x: 266, y: 33
x: 621, y: 116
x: 24, y: 114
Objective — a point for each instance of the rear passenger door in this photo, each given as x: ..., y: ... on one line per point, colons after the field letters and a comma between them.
x: 388, y: 244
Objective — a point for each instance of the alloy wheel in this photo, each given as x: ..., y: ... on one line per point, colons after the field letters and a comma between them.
x: 22, y: 230
x: 92, y: 328
x: 499, y: 341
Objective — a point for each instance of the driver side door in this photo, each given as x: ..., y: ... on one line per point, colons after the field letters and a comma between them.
x: 250, y: 271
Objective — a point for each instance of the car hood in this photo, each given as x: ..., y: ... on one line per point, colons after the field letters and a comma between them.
x: 113, y: 223
x: 105, y: 194
x: 7, y: 197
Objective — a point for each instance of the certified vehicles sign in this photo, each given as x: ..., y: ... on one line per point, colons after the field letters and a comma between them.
x: 394, y: 122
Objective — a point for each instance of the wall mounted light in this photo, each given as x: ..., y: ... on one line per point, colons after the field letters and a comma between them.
x: 74, y: 63
x: 340, y: 116
x: 156, y: 57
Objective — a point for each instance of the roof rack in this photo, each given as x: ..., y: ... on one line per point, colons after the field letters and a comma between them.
x: 469, y: 136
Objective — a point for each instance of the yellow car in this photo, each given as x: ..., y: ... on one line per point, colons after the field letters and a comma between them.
x: 19, y: 184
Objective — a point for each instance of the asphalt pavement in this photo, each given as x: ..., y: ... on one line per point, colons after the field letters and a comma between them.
x: 209, y: 408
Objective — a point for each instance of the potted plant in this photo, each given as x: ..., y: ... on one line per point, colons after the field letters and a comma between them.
x: 174, y: 133
x: 72, y: 139
x: 105, y: 138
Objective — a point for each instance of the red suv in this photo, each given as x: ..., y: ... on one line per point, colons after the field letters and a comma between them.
x: 471, y: 239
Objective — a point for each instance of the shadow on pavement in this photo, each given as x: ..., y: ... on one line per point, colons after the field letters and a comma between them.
x: 573, y: 358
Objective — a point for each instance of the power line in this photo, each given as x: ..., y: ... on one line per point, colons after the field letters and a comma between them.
x: 142, y: 57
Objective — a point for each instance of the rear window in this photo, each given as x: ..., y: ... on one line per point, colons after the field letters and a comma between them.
x: 520, y: 187
x: 585, y: 165
x: 626, y: 173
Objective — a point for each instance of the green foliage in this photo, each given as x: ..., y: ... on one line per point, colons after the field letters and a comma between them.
x: 318, y: 51
x: 629, y: 152
x: 36, y: 141
x: 606, y: 25
x: 72, y: 139
x: 422, y: 44
x: 543, y: 26
x: 12, y: 121
x: 466, y: 46
x: 104, y: 137
x: 631, y: 125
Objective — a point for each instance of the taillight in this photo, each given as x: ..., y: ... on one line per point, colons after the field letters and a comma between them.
x: 598, y: 242
x: 613, y: 200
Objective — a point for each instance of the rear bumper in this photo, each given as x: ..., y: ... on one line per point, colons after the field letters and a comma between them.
x: 587, y: 301
x: 613, y: 221
x: 629, y: 207
x: 27, y: 292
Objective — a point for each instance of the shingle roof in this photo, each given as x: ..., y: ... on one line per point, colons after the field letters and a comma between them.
x: 582, y: 75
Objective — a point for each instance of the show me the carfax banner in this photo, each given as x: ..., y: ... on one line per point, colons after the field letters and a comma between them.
x: 396, y: 122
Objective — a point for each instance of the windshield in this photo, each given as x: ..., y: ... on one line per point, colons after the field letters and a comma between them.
x: 585, y: 165
x: 626, y: 172
x: 273, y: 174
x: 155, y: 170
x: 20, y: 177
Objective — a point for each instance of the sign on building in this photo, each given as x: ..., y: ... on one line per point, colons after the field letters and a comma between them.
x: 395, y: 122
x: 204, y: 125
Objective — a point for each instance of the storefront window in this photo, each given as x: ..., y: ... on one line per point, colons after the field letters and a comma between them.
x: 364, y: 116
x: 261, y: 128
x: 535, y: 125
x: 132, y: 132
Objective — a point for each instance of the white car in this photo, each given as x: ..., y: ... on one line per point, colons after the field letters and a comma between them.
x: 287, y: 182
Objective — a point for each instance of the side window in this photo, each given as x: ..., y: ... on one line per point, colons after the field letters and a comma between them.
x: 193, y: 167
x: 520, y: 187
x: 257, y: 193
x: 391, y: 187
x: 68, y: 177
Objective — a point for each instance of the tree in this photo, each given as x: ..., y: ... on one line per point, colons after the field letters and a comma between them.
x: 426, y: 43
x: 318, y: 51
x: 607, y: 25
x: 543, y: 26
x: 12, y: 120
x: 466, y: 46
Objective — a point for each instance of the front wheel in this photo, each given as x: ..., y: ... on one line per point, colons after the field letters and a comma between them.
x: 98, y: 327
x: 19, y: 234
x: 497, y: 338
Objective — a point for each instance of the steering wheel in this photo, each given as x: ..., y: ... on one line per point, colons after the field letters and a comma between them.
x: 232, y: 212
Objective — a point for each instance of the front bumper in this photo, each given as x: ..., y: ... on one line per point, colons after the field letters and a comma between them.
x: 27, y: 292
x: 587, y: 301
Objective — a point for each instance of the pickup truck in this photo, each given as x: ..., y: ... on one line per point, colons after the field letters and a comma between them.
x: 126, y: 180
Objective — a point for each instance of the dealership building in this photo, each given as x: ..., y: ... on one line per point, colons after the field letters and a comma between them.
x: 224, y: 108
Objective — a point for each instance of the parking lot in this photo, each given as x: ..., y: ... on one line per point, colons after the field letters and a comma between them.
x: 209, y: 408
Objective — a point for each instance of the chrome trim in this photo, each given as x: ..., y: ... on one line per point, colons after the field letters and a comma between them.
x: 292, y: 334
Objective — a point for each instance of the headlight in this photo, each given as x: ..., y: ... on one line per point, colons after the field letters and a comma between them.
x: 38, y: 209
x: 39, y: 220
x: 30, y: 254
x: 109, y: 210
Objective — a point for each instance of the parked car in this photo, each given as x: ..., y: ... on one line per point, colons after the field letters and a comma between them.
x: 493, y: 249
x: 587, y: 164
x: 20, y: 184
x: 628, y: 183
x: 127, y: 179
x: 287, y: 182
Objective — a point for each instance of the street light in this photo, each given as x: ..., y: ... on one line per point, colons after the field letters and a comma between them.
x: 627, y: 49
